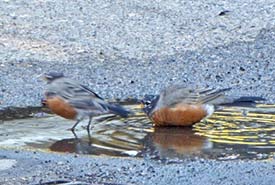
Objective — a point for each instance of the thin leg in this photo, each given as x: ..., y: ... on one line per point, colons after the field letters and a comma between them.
x: 88, y: 130
x: 72, y: 129
x: 89, y: 137
x: 89, y: 124
x: 74, y: 134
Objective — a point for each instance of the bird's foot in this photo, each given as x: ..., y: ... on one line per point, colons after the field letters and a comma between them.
x: 71, y: 129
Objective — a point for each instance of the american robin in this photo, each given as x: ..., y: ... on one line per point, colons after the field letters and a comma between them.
x: 180, y: 106
x: 69, y: 99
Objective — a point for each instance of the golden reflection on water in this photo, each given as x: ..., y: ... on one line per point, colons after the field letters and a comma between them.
x: 255, y: 127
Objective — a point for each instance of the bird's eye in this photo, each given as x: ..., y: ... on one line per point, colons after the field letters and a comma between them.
x: 147, y: 102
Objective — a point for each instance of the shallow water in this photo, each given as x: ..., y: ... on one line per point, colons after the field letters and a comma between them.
x: 231, y: 133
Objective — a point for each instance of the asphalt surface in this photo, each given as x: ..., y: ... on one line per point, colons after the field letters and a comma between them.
x: 123, y: 49
x: 128, y: 49
x: 44, y: 168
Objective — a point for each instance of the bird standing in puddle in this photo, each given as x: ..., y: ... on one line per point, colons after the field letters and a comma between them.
x: 180, y: 106
x: 69, y: 99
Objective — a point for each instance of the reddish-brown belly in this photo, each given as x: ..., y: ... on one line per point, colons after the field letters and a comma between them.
x: 61, y: 108
x: 181, y: 115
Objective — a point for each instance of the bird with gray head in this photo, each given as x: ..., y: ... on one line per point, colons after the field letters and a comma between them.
x: 180, y: 106
x: 49, y: 77
x: 72, y: 100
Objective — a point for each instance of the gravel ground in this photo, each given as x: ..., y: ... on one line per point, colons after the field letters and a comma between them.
x: 127, y: 49
x: 100, y: 170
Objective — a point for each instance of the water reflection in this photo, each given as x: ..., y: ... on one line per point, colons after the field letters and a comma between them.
x: 166, y: 141
x: 229, y: 126
x: 175, y: 142
x: 230, y: 133
x: 72, y: 145
x: 238, y: 135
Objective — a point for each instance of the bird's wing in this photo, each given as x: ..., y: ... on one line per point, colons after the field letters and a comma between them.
x: 90, y: 105
x: 213, y: 96
x: 86, y: 89
x: 179, y: 94
x: 67, y: 88
x: 77, y: 95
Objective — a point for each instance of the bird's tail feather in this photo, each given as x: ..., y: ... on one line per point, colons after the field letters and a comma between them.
x: 119, y: 110
x: 245, y: 101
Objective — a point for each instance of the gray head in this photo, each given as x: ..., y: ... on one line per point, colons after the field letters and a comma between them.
x: 49, y: 77
x: 149, y: 102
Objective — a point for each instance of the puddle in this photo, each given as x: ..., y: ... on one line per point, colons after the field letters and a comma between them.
x: 230, y: 133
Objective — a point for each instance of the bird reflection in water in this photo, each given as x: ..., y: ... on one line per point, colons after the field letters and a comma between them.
x: 163, y: 141
x: 73, y: 145
x: 169, y: 142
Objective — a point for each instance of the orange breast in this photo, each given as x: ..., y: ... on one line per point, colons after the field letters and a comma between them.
x: 180, y: 115
x: 61, y: 108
